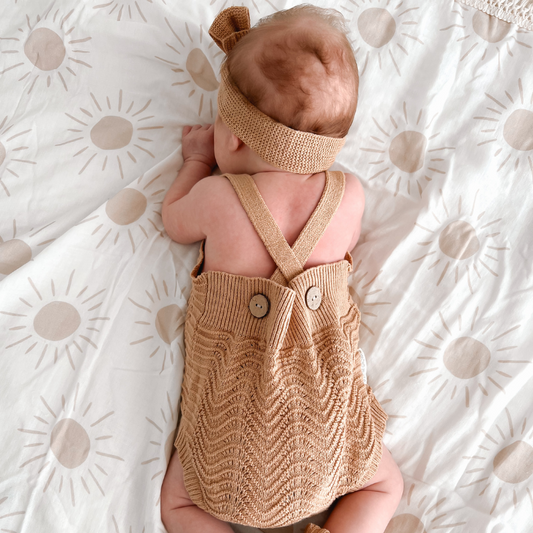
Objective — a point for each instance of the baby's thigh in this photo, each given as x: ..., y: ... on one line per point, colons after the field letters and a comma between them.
x: 387, y: 475
x: 173, y: 492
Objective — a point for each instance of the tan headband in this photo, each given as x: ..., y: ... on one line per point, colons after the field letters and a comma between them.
x: 286, y: 148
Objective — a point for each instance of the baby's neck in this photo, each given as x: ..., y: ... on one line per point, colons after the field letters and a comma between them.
x: 256, y: 166
x: 271, y: 173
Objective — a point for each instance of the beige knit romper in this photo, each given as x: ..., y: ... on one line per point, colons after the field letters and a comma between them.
x: 276, y: 419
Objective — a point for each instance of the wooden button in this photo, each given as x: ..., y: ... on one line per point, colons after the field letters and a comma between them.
x: 313, y: 298
x: 259, y: 305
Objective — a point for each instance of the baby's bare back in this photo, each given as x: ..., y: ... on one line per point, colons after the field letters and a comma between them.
x: 232, y: 244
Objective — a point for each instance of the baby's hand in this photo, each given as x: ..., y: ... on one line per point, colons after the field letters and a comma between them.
x: 197, y: 143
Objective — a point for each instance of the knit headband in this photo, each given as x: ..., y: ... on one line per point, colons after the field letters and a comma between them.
x: 286, y: 148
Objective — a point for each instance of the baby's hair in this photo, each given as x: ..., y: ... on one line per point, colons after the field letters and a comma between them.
x: 300, y: 74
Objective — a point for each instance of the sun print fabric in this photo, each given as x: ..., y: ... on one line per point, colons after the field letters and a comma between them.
x: 93, y: 293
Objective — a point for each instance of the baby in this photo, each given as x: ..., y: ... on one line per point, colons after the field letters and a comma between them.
x: 287, y: 99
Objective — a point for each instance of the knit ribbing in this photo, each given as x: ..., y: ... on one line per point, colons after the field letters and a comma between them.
x: 292, y: 150
x: 277, y: 421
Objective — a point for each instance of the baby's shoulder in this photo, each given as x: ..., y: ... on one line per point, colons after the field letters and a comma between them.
x: 354, y: 194
x: 216, y: 183
x: 219, y: 202
x: 216, y: 190
x: 352, y: 182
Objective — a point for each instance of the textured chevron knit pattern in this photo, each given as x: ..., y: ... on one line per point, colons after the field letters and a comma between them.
x: 276, y: 419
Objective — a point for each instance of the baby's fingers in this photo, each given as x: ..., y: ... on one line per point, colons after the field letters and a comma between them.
x: 186, y: 131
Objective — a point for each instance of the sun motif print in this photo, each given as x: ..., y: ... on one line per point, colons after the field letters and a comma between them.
x: 499, y: 472
x: 13, y: 152
x: 365, y: 295
x: 508, y: 122
x: 49, y: 51
x: 405, y: 153
x: 161, y: 428
x: 472, y: 356
x: 106, y: 131
x: 188, y: 60
x: 8, y: 516
x: 133, y: 215
x: 56, y: 321
x: 16, y: 251
x: 460, y: 241
x: 385, y: 34
x: 70, y: 443
x: 126, y: 10
x: 162, y: 321
x: 420, y: 512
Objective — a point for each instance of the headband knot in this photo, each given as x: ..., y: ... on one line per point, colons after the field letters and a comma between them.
x: 229, y: 27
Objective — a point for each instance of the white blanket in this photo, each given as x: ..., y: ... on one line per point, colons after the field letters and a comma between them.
x: 93, y: 293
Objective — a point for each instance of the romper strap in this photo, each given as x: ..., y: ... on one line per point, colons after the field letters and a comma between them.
x: 289, y: 260
x: 265, y: 225
x: 319, y: 220
x: 321, y: 217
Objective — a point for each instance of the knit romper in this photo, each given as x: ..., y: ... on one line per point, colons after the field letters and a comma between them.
x: 276, y: 421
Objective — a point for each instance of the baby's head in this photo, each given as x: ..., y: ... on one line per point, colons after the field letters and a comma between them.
x: 298, y: 67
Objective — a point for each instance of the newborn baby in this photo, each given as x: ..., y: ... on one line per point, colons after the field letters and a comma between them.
x: 274, y: 328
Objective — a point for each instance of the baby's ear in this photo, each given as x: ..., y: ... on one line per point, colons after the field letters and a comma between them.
x: 234, y: 143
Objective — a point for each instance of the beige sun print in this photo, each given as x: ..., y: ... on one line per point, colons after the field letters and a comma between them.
x: 56, y: 322
x: 110, y: 133
x: 483, y: 36
x: 161, y: 443
x: 15, y: 252
x: 49, y: 51
x: 70, y: 448
x: 131, y: 214
x: 404, y: 153
x: 367, y: 298
x: 461, y: 242
x: 470, y: 357
x: 125, y: 10
x: 421, y: 513
x: 502, y: 467
x: 194, y: 71
x: 163, y: 322
x: 385, y: 32
x: 7, y: 515
x: 508, y: 122
x: 12, y: 153
x: 388, y: 405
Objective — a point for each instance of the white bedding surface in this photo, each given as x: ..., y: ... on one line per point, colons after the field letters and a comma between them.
x: 93, y: 293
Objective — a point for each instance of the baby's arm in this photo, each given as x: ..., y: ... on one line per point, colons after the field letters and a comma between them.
x: 184, y: 207
x: 356, y: 197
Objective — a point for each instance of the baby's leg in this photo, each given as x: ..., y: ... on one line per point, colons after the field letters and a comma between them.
x: 178, y: 513
x: 370, y: 509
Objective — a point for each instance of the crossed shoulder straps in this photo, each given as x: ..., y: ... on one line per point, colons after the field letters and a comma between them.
x: 290, y: 261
